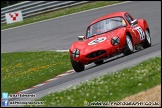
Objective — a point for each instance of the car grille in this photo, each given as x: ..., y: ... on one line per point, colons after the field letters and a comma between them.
x: 96, y: 53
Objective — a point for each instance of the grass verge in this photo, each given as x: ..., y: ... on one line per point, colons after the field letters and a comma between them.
x: 21, y: 70
x: 111, y: 87
x: 59, y: 13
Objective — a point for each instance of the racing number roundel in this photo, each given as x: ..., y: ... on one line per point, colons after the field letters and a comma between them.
x: 141, y: 32
x: 98, y: 40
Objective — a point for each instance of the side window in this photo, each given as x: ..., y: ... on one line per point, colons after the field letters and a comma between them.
x: 129, y: 18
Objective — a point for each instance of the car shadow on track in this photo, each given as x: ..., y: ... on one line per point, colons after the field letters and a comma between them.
x: 105, y: 61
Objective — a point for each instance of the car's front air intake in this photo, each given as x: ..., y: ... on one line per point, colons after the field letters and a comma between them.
x: 96, y: 53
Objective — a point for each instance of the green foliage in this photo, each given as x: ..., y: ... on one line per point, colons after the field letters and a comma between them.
x: 8, y: 3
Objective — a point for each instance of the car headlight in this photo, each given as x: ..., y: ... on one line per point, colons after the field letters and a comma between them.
x: 115, y: 40
x: 76, y: 53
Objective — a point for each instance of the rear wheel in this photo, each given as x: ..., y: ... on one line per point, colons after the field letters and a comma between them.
x: 147, y: 42
x: 78, y: 67
x: 99, y: 62
x: 128, y: 49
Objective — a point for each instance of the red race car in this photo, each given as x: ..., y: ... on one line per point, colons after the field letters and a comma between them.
x: 107, y: 36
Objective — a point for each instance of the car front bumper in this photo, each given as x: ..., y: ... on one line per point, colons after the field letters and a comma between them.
x: 96, y: 54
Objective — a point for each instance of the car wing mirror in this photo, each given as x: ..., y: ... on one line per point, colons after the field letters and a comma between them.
x: 81, y: 37
x: 134, y: 22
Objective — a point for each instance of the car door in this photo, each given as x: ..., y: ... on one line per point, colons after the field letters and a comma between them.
x: 139, y: 33
x: 136, y: 29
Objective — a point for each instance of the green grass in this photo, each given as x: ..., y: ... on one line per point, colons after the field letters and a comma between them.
x: 21, y: 70
x: 110, y: 87
x: 60, y: 12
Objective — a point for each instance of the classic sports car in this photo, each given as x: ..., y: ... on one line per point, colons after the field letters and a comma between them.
x: 107, y: 36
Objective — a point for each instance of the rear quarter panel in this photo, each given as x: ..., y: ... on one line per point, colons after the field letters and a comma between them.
x: 143, y: 24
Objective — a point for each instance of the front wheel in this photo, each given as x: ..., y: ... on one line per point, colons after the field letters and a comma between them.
x: 128, y: 49
x: 147, y: 42
x: 78, y: 67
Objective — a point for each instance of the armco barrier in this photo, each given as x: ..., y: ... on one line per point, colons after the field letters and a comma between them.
x: 31, y: 8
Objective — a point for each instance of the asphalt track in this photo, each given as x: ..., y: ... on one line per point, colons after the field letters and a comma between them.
x: 58, y: 34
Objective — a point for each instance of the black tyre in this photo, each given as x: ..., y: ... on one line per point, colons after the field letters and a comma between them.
x: 78, y: 67
x: 99, y: 62
x: 128, y: 49
x: 147, y: 42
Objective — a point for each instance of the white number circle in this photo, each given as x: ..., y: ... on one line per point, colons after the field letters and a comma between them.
x: 141, y: 33
x: 98, y: 40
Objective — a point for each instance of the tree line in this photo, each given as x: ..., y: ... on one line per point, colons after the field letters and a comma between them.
x: 7, y: 3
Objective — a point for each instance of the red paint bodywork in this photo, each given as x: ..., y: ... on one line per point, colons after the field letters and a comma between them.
x: 111, y: 50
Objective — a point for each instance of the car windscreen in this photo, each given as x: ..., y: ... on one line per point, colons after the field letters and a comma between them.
x: 105, y: 26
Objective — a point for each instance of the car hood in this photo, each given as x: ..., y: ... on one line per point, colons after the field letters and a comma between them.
x: 97, y: 42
